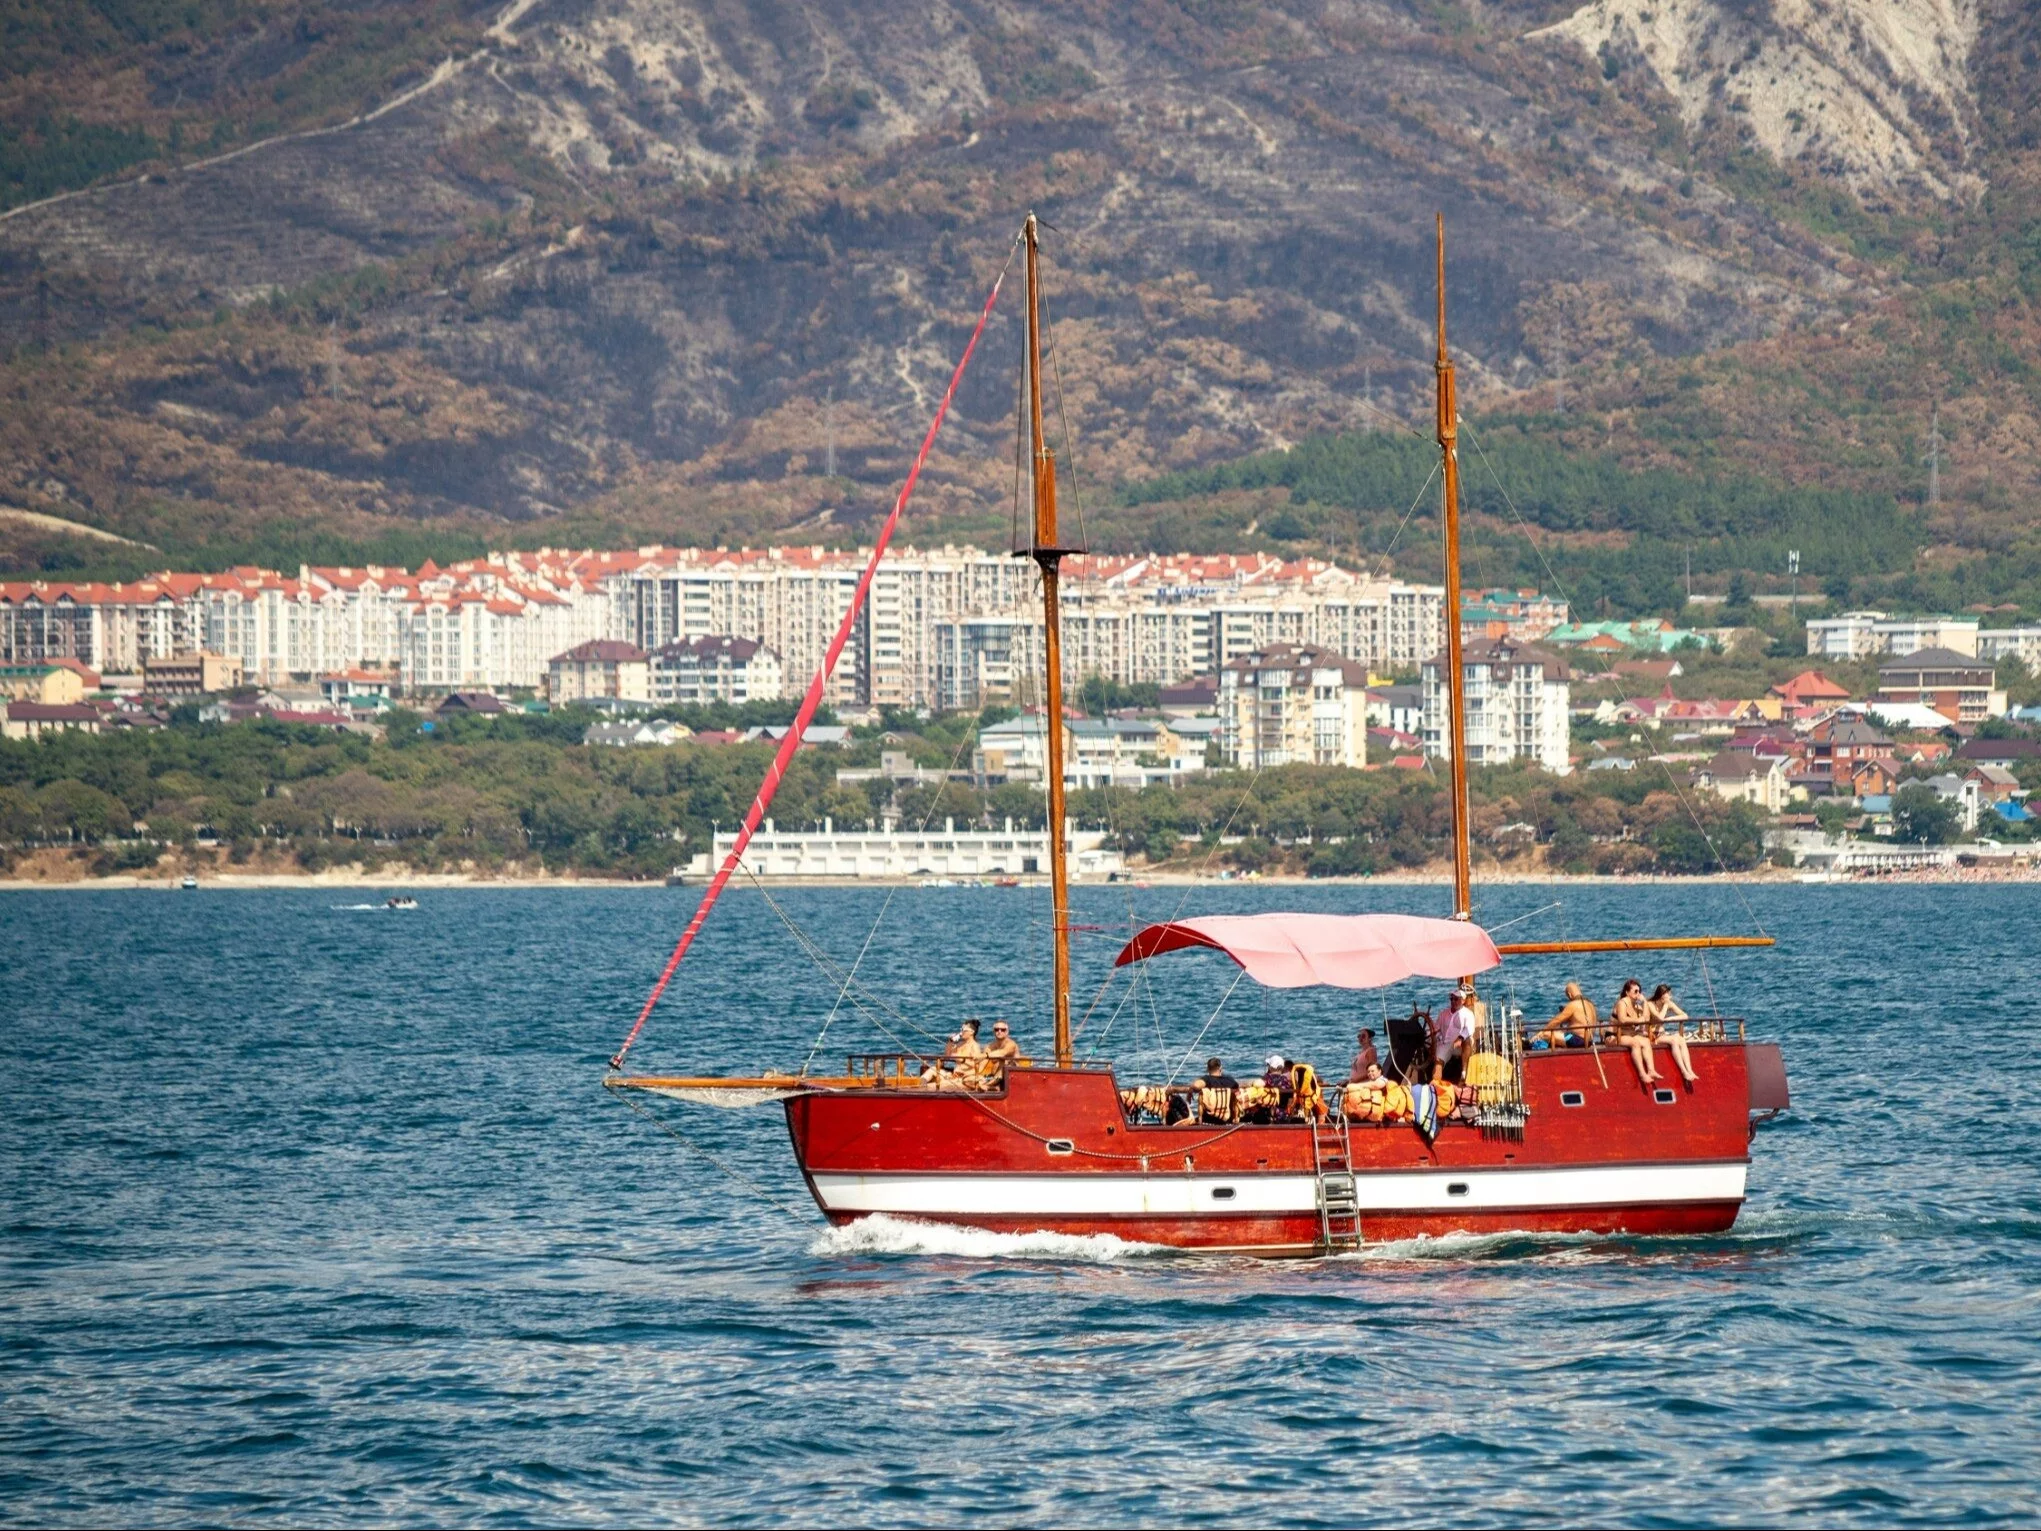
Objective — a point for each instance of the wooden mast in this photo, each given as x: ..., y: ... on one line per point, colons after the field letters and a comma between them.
x: 1455, y: 670
x: 1048, y: 552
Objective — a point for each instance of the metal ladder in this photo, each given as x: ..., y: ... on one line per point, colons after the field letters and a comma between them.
x: 1339, y: 1209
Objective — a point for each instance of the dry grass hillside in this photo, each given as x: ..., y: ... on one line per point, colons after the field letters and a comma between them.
x: 410, y: 272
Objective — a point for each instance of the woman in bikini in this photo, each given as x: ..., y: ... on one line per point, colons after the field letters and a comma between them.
x: 1632, y: 1020
x: 1665, y: 1013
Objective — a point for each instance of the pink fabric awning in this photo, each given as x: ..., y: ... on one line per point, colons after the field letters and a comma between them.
x: 1343, y: 951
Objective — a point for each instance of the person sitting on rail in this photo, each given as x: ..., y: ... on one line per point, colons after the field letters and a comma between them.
x: 959, y: 1068
x: 1573, y: 1025
x: 1666, y: 1014
x: 1218, y: 1092
x: 1632, y: 1022
x: 1276, y: 1077
x: 1365, y: 1058
x: 1307, y: 1100
x: 1176, y: 1106
x: 1452, y: 1039
x: 1003, y: 1051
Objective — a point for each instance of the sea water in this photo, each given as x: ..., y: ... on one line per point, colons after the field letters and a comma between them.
x: 316, y: 1212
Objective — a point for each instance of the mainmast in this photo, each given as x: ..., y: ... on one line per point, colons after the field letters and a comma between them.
x: 1455, y: 673
x: 1047, y: 551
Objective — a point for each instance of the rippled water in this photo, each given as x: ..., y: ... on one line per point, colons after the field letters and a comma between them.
x: 318, y: 1213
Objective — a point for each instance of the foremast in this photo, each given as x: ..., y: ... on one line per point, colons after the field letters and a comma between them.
x: 1455, y: 670
x: 1045, y: 547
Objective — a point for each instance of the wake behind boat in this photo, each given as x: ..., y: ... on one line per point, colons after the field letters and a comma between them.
x: 1475, y: 1126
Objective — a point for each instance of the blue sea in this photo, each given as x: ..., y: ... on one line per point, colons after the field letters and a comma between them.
x: 317, y: 1212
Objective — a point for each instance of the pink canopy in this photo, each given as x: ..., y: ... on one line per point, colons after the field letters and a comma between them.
x: 1345, y: 951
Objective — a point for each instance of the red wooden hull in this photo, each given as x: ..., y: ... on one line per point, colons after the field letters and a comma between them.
x: 1052, y: 1152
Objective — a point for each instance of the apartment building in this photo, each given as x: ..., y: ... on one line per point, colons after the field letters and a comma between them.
x: 1959, y: 686
x: 1517, y: 703
x: 1867, y: 634
x: 697, y: 671
x: 600, y: 668
x: 1288, y: 705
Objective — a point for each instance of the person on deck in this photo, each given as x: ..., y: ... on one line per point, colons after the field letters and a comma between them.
x: 1452, y: 1039
x: 1365, y: 1058
x: 1218, y: 1093
x: 1632, y: 1021
x: 1666, y: 1014
x: 999, y: 1055
x: 1276, y: 1080
x: 963, y: 1056
x: 1574, y: 1023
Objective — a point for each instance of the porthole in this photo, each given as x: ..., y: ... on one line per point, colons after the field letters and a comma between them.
x: 1664, y: 1097
x: 1062, y: 1146
x: 1222, y: 1193
x: 1572, y: 1098
x: 1456, y: 1188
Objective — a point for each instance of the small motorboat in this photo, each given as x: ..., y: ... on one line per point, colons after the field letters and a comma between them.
x: 400, y: 901
x: 189, y: 882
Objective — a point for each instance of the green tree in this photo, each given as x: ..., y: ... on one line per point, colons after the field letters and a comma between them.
x: 1921, y: 814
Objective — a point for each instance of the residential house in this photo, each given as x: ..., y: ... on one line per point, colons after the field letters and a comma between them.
x: 2021, y: 643
x: 1808, y: 694
x: 1523, y: 615
x: 1960, y: 792
x: 1959, y: 686
x: 1399, y: 709
x: 53, y: 685
x: 1994, y: 782
x: 1647, y: 635
x: 358, y: 689
x: 1289, y: 704
x: 31, y: 720
x: 1837, y: 746
x: 601, y: 667
x: 1877, y: 777
x: 1189, y: 698
x: 1744, y: 778
x: 715, y: 668
x: 193, y: 674
x: 624, y: 735
x: 2000, y: 751
x: 471, y: 704
x: 1516, y: 705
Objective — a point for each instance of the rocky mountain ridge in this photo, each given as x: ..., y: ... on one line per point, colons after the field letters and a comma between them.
x: 645, y: 268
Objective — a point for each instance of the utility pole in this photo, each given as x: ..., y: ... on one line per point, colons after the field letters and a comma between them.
x: 1690, y: 576
x: 1793, y: 568
x: 1935, y: 455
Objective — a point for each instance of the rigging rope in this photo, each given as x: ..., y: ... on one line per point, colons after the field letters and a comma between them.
x: 792, y: 741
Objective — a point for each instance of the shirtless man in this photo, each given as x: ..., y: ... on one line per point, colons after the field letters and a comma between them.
x: 1001, y: 1053
x: 1573, y: 1025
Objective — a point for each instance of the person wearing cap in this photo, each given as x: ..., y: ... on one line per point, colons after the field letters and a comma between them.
x: 1277, y: 1079
x: 1453, y: 1036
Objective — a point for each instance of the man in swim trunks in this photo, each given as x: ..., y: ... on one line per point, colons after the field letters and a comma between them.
x: 1573, y: 1025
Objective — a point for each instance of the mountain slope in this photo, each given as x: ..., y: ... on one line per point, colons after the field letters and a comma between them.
x: 632, y: 268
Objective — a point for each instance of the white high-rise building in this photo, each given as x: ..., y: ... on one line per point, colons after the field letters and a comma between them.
x: 1516, y: 699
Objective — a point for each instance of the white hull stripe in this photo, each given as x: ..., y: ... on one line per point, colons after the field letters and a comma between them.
x: 1379, y: 1192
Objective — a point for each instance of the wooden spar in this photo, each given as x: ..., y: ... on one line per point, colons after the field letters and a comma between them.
x: 1638, y: 944
x: 1048, y: 553
x: 1455, y: 673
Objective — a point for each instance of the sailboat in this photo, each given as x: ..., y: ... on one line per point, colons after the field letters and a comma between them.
x: 1568, y: 1139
